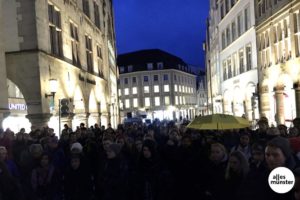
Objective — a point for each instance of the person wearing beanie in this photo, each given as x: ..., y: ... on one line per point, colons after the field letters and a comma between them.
x: 113, y: 176
x: 278, y: 153
x: 76, y: 147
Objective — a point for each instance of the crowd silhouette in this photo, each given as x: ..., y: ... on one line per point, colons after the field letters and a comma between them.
x: 161, y: 161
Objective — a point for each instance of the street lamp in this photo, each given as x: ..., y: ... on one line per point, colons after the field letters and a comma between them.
x: 53, y: 83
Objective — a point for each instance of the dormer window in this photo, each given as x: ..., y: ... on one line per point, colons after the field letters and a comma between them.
x: 160, y: 65
x: 130, y: 68
x: 149, y: 66
x: 121, y: 69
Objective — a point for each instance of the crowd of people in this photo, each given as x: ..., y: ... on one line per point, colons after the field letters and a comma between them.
x: 155, y: 162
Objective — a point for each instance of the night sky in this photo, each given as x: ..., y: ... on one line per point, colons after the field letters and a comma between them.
x: 175, y: 26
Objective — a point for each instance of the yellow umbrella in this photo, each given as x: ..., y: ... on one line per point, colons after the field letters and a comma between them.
x: 218, y: 122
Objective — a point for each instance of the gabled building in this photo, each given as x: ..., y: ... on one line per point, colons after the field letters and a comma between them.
x: 69, y: 44
x: 278, y: 44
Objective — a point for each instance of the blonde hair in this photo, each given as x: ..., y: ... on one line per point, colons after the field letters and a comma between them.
x: 220, y: 146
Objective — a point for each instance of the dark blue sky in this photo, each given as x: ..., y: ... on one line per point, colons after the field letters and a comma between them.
x: 175, y: 26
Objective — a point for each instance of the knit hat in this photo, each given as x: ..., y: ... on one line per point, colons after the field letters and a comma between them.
x: 76, y: 145
x: 115, y: 148
x: 283, y: 144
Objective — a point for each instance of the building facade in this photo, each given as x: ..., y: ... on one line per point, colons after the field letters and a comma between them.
x: 202, y: 106
x: 278, y: 43
x: 212, y: 60
x: 238, y: 57
x: 4, y: 111
x: 71, y: 42
x: 231, y: 58
x: 157, y: 84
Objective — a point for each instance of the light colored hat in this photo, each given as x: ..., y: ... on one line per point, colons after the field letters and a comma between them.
x: 76, y: 145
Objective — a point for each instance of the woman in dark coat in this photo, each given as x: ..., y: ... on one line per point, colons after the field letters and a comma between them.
x: 214, y: 173
x: 113, y: 178
x: 154, y: 182
x: 236, y: 172
x: 77, y: 180
x: 45, y: 180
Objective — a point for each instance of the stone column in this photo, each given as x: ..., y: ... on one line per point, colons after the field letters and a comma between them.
x: 264, y: 102
x: 39, y: 120
x: 4, y: 111
x: 279, y: 97
x: 297, y: 98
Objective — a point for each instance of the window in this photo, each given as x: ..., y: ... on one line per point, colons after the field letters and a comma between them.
x: 175, y: 78
x: 127, y: 103
x: 89, y: 53
x: 166, y: 77
x: 175, y: 88
x: 147, y: 101
x: 126, y: 91
x: 232, y: 3
x: 130, y: 68
x: 166, y: 88
x: 239, y: 25
x: 125, y: 80
x: 156, y: 88
x: 176, y: 100
x: 180, y: 100
x: 259, y: 6
x: 135, y: 103
x: 74, y: 44
x: 297, y: 22
x: 226, y: 6
x: 157, y: 101
x: 248, y: 57
x: 55, y: 30
x: 133, y: 80
x: 119, y: 92
x: 134, y: 90
x: 225, y: 70
x: 146, y: 89
x: 228, y: 38
x: 160, y: 65
x: 99, y: 60
x: 229, y: 67
x: 233, y: 31
x: 167, y: 100
x: 285, y: 28
x: 263, y: 7
x: 155, y: 78
x: 267, y: 39
x: 179, y: 88
x: 223, y: 40
x: 86, y: 7
x: 241, y: 61
x: 121, y: 69
x: 247, y: 18
x: 146, y: 79
x: 149, y: 66
x: 222, y: 10
x: 234, y: 65
x: 297, y: 30
x: 96, y: 14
